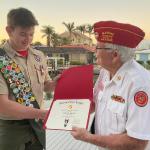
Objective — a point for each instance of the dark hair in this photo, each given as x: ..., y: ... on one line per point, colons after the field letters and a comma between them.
x: 21, y: 17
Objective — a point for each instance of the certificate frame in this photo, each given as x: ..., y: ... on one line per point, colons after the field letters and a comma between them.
x: 66, y: 113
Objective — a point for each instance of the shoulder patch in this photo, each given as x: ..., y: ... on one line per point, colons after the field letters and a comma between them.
x: 141, y: 98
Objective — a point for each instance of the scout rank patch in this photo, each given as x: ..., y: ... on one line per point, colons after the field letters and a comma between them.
x: 37, y: 58
x: 141, y: 98
x: 117, y: 98
x: 16, y: 81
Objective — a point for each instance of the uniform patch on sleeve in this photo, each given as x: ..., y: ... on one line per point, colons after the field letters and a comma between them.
x: 141, y: 98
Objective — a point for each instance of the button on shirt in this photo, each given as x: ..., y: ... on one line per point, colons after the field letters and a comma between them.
x: 116, y: 109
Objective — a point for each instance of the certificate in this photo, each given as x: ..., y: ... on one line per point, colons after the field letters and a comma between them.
x: 66, y: 113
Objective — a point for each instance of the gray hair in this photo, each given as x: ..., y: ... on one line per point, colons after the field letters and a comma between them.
x: 126, y: 53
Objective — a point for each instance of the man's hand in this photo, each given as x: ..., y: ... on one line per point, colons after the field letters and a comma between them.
x: 57, y: 78
x: 80, y: 133
x: 50, y: 85
x: 42, y: 114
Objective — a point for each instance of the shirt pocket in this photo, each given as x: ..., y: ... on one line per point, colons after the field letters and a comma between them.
x: 116, y: 116
x: 116, y: 107
x: 40, y: 71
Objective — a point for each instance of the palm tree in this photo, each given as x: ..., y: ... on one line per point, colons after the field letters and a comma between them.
x: 48, y: 32
x: 55, y: 39
x: 81, y: 28
x: 65, y: 41
x: 71, y: 29
x: 89, y: 30
x: 3, y: 41
x: 37, y: 43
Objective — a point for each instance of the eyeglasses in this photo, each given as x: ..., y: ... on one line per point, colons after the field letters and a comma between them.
x: 100, y: 48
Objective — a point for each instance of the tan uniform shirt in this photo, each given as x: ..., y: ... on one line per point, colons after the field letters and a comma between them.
x: 34, y: 68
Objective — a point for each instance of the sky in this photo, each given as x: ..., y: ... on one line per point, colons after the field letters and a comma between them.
x: 54, y: 12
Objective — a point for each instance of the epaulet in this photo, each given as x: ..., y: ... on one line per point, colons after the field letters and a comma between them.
x: 2, y: 52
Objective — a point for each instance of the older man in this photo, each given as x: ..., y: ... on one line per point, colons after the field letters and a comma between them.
x: 122, y: 91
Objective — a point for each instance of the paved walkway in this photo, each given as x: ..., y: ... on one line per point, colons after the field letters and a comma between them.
x: 62, y: 140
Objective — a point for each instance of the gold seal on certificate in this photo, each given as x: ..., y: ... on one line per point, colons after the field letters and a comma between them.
x: 66, y: 113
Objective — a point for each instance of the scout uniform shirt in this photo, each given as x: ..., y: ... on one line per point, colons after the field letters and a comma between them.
x: 122, y: 104
x: 35, y: 71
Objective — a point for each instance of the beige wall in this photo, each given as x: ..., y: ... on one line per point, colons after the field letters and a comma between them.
x: 78, y: 57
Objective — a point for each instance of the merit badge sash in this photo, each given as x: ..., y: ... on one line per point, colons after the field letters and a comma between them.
x: 21, y: 90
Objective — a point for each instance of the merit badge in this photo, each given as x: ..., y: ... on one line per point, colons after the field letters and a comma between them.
x: 27, y: 102
x: 1, y: 65
x: 25, y: 84
x: 3, y: 70
x: 12, y: 72
x: 15, y: 90
x: 12, y: 85
x: 20, y: 100
x: 32, y: 98
x: 6, y: 76
x: 20, y: 75
x: 22, y: 80
x: 37, y: 58
x: 15, y: 78
x: 14, y: 65
x: 9, y: 68
x: 10, y: 80
x: 141, y: 98
x: 17, y: 70
x: 5, y: 62
x: 25, y: 97
x: 27, y: 89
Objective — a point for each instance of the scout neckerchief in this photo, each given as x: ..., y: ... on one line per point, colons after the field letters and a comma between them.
x: 21, y: 90
x: 23, y: 53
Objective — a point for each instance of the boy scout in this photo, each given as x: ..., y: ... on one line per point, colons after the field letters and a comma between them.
x: 122, y: 91
x: 23, y: 78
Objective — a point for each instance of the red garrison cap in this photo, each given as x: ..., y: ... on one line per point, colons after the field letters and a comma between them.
x: 118, y: 33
